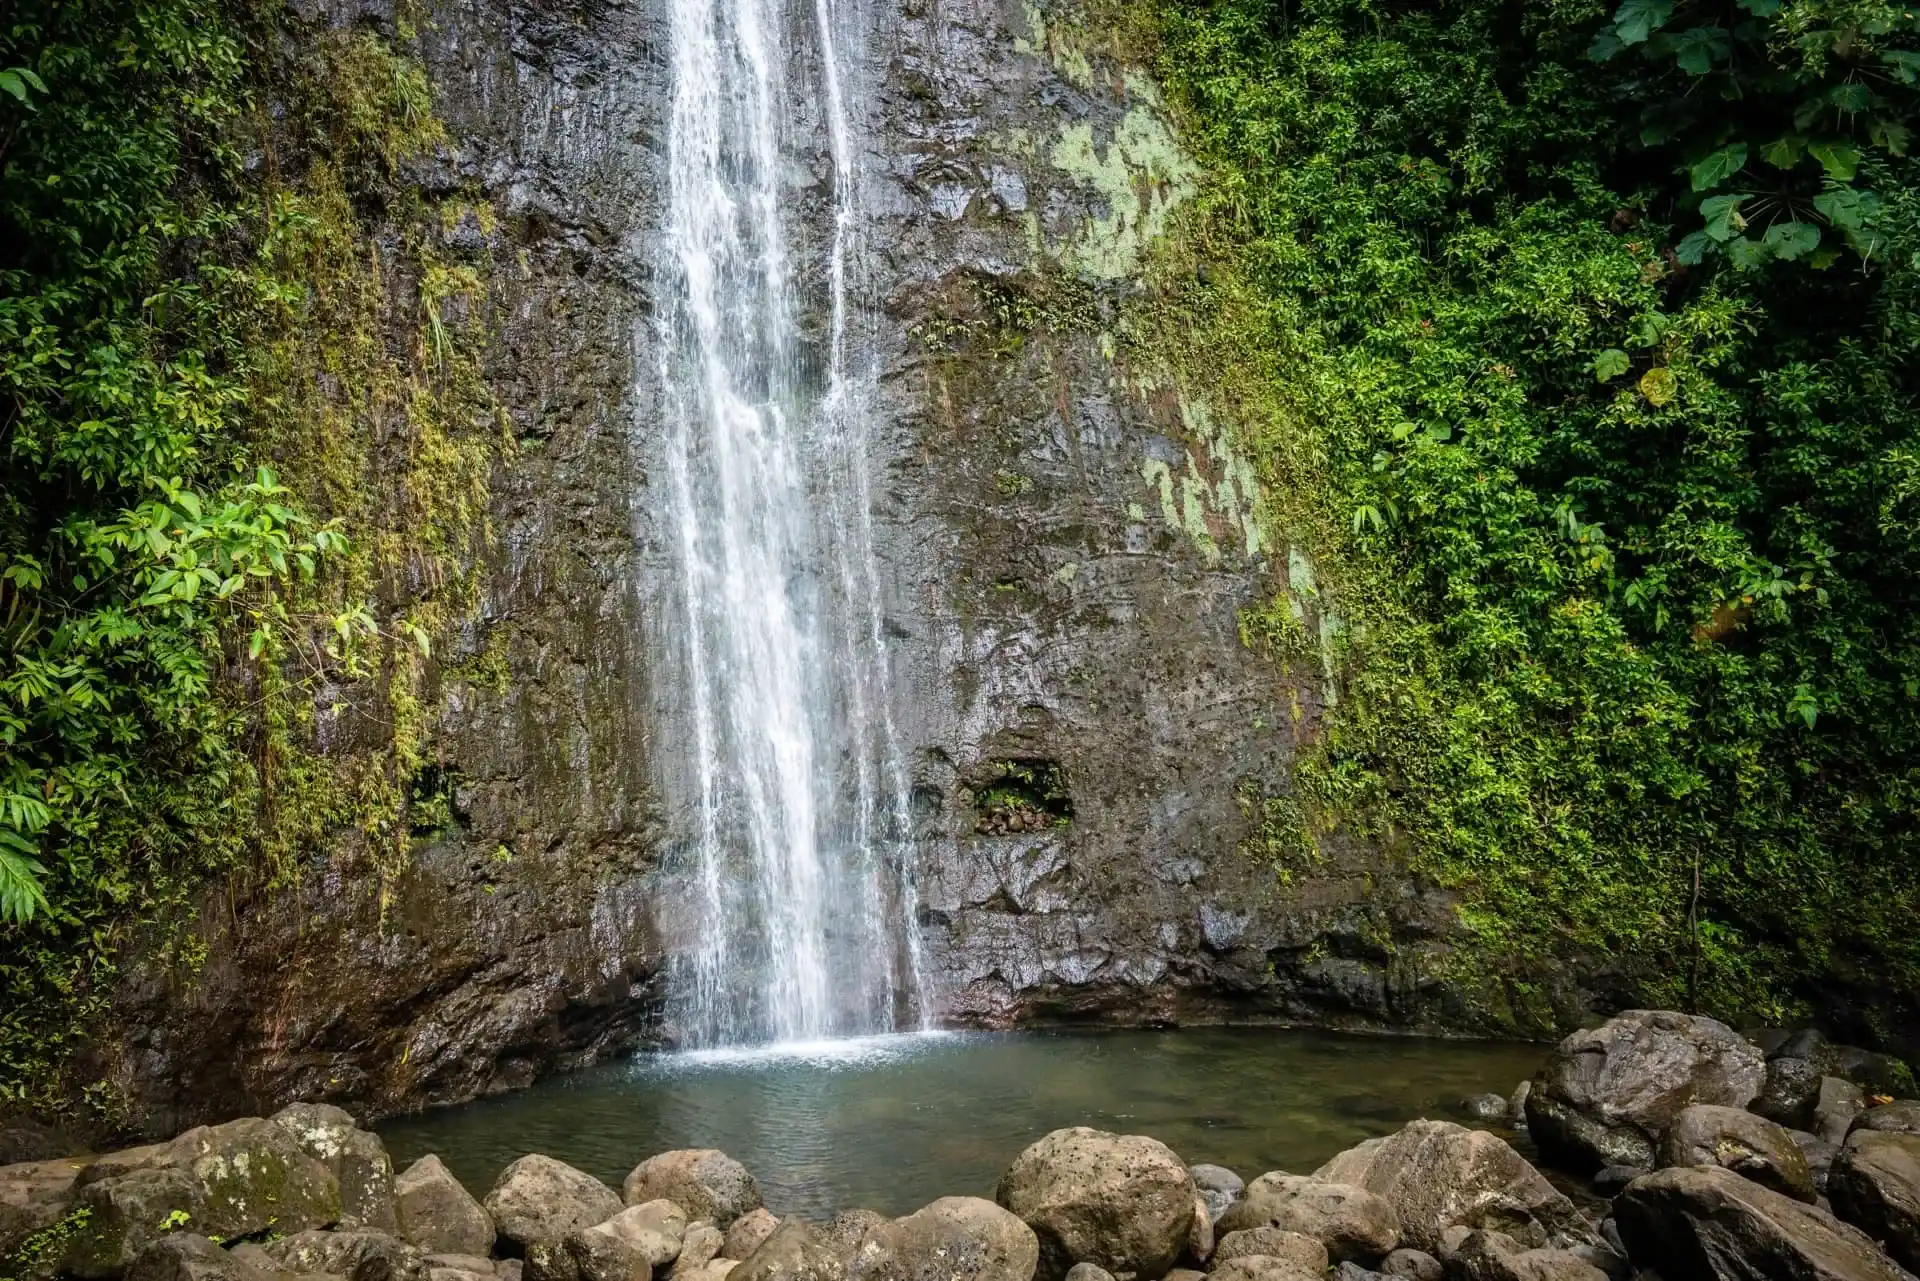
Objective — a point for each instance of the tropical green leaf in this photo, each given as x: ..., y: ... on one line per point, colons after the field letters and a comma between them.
x: 1746, y: 253
x: 1635, y: 20
x: 1723, y: 216
x: 1785, y: 152
x: 1719, y: 166
x: 1790, y: 240
x: 1839, y: 159
x: 1610, y: 364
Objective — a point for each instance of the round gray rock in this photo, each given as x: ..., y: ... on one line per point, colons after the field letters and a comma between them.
x: 1274, y: 1243
x: 1353, y: 1223
x: 1125, y: 1202
x: 539, y: 1199
x: 956, y: 1238
x: 1262, y: 1267
x: 1609, y: 1094
x: 706, y: 1183
x: 1219, y: 1187
x: 745, y: 1233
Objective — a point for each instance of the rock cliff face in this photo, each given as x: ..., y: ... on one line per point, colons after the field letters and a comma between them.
x: 1068, y: 536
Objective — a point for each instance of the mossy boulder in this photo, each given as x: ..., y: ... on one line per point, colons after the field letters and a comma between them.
x: 231, y: 1180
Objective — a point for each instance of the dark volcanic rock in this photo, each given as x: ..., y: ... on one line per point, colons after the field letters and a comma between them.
x: 1737, y: 1140
x: 1875, y: 1185
x: 1609, y: 1093
x: 1712, y: 1224
x: 188, y: 1256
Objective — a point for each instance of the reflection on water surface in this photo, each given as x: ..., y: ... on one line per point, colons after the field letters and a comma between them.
x: 890, y: 1123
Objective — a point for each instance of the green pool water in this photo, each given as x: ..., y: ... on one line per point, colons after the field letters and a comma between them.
x: 890, y: 1123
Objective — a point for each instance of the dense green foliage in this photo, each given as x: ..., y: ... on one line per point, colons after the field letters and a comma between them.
x: 1594, y: 333
x: 182, y: 280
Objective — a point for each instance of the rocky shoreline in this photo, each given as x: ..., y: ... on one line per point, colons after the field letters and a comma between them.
x: 1691, y: 1151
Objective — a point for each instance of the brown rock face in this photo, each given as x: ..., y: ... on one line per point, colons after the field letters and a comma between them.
x: 1711, y: 1223
x: 1439, y: 1175
x: 1124, y: 1202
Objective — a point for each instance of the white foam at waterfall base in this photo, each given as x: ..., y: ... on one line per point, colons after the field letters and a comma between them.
x: 835, y: 1052
x: 778, y: 755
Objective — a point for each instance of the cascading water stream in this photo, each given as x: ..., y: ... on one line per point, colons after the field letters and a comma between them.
x: 787, y: 768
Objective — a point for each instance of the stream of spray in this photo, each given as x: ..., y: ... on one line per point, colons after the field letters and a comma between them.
x: 786, y: 759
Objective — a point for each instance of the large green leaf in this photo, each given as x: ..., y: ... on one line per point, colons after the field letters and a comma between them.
x: 1635, y: 20
x: 1789, y: 240
x: 1723, y: 216
x: 1719, y: 166
x: 1839, y: 159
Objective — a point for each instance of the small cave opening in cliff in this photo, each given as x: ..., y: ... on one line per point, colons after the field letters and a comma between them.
x: 1016, y: 795
x: 432, y: 809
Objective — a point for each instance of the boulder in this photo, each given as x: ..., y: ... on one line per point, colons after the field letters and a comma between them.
x: 956, y: 1238
x: 1608, y: 1094
x: 1262, y: 1267
x: 655, y: 1228
x: 745, y: 1233
x: 1274, y: 1243
x: 437, y: 1214
x: 845, y: 1231
x: 1124, y: 1202
x: 1438, y: 1175
x: 1094, y: 1272
x: 1219, y: 1187
x: 1351, y: 1222
x: 1484, y: 1107
x: 357, y: 1159
x: 1412, y: 1265
x: 701, y: 1245
x: 1834, y: 1111
x: 231, y: 1180
x: 1875, y: 1185
x: 1902, y: 1116
x: 1788, y: 1094
x: 1609, y: 1180
x: 1749, y: 1145
x: 794, y: 1252
x: 357, y: 1255
x: 1871, y: 1070
x: 1710, y: 1223
x: 1494, y: 1256
x: 540, y: 1200
x: 188, y: 1256
x: 591, y: 1254
x: 707, y: 1184
x: 1517, y: 1105
x: 1200, y: 1235
x: 465, y: 1272
x: 34, y: 1195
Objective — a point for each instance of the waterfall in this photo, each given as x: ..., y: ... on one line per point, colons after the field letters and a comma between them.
x: 780, y: 748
